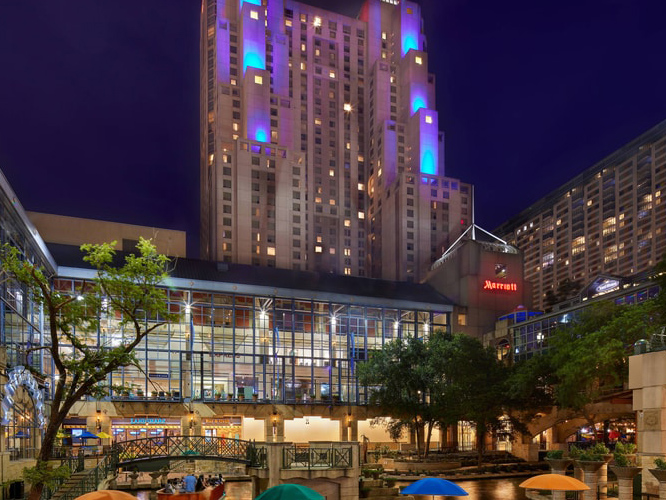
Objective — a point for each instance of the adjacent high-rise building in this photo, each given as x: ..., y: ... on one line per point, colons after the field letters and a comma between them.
x: 320, y: 145
x: 610, y: 219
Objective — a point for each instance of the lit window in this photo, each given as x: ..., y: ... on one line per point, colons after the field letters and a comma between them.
x: 303, y: 66
x: 331, y: 202
x: 347, y: 107
x: 331, y: 173
x: 302, y: 47
x: 287, y: 22
x: 234, y: 137
x: 319, y: 239
x: 318, y: 249
x: 258, y: 79
x: 383, y: 35
x: 274, y: 135
x: 361, y: 186
x: 270, y: 250
x: 418, y: 60
x: 235, y: 127
x: 428, y: 119
x: 331, y: 74
x: 317, y: 199
x: 361, y: 215
x: 317, y: 22
x: 347, y: 223
x: 254, y: 14
x: 348, y: 271
x: 409, y: 10
x: 348, y: 145
x: 331, y: 251
x: 211, y: 159
x: 317, y: 121
x: 233, y: 81
x: 347, y: 252
x: 379, y: 172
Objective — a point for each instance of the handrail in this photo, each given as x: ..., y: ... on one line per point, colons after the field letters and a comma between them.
x: 309, y: 458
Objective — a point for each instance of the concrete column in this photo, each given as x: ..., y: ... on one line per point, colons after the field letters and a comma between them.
x: 590, y: 477
x: 625, y: 480
x: 602, y: 478
x: 191, y: 425
x: 274, y: 462
x: 274, y: 429
x: 558, y: 466
x: 348, y: 428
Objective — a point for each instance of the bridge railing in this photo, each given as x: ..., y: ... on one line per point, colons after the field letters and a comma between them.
x: 310, y: 458
x: 236, y: 450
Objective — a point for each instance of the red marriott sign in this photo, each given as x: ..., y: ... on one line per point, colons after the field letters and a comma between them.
x: 496, y: 285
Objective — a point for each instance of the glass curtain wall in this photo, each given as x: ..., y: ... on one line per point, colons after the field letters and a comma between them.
x: 236, y: 346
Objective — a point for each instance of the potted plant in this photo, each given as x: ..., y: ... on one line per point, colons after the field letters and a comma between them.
x: 139, y: 393
x: 591, y: 459
x: 624, y: 461
x: 241, y: 394
x: 218, y: 395
x: 255, y: 396
x: 660, y: 472
x: 556, y: 460
x: 229, y: 396
x: 313, y: 396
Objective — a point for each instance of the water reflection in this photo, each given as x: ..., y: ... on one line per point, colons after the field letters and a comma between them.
x: 485, y: 489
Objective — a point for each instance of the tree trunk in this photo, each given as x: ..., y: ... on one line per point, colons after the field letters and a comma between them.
x: 44, y: 455
x: 35, y: 491
x: 427, y: 442
x: 480, y: 442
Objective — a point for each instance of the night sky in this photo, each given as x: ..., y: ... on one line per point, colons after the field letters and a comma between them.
x: 99, y: 99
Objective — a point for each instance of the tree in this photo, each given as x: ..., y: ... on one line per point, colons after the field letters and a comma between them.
x: 472, y: 385
x: 589, y: 355
x: 400, y: 377
x: 128, y: 290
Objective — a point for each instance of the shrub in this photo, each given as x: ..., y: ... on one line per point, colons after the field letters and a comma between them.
x: 555, y: 454
x: 621, y: 459
x: 660, y: 463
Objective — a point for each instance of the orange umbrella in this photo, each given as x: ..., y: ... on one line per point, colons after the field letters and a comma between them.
x: 557, y: 482
x: 106, y: 495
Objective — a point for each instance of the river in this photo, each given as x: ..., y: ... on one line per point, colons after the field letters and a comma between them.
x: 483, y: 489
x: 488, y: 489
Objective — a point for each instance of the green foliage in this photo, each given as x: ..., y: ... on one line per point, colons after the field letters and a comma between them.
x: 600, y: 449
x: 660, y: 463
x: 555, y: 454
x: 42, y: 473
x: 589, y: 355
x: 621, y: 459
x: 625, y: 448
x: 127, y: 291
x: 575, y: 452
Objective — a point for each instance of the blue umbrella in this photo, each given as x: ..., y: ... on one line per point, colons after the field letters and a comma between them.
x: 88, y: 435
x: 434, y: 486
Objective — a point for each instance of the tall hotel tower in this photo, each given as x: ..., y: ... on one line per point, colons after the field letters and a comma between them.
x: 320, y: 147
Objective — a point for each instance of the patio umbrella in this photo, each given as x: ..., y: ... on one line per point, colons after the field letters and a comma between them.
x: 106, y: 495
x: 61, y: 435
x: 557, y: 482
x: 290, y: 492
x: 434, y: 486
x: 87, y: 435
x: 20, y: 434
x: 103, y: 435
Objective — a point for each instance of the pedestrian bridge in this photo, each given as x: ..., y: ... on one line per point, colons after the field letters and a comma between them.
x: 192, y: 447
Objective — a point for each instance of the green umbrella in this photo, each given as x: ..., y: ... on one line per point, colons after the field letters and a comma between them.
x: 290, y: 492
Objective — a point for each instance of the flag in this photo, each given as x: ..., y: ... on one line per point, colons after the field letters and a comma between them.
x: 276, y: 342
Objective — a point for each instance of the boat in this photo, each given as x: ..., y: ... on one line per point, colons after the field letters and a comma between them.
x: 214, y: 493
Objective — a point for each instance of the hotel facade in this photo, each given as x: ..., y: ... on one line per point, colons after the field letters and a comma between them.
x: 610, y: 219
x: 320, y: 145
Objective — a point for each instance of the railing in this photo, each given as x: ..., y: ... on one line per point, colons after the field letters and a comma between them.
x: 89, y: 481
x: 236, y: 450
x: 311, y: 458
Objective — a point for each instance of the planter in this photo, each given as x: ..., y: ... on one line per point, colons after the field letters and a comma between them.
x: 626, y: 472
x: 659, y: 474
x: 590, y: 465
x: 559, y: 464
x: 230, y: 397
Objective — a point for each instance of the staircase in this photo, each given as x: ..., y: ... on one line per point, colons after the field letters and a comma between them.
x: 73, y: 481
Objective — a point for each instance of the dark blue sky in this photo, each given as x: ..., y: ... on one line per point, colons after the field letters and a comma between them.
x: 99, y: 99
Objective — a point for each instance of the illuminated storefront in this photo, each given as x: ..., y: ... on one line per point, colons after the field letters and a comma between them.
x: 125, y: 429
